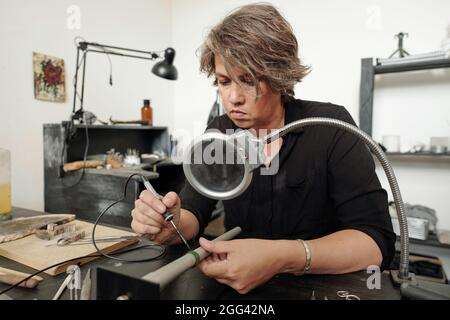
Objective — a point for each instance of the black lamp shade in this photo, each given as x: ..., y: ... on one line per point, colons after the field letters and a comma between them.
x: 165, y: 69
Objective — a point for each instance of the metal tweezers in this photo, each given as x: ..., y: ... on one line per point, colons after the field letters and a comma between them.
x: 102, y: 239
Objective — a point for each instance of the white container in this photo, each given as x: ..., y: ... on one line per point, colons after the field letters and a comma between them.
x: 5, y: 184
x: 439, y: 145
x: 391, y: 143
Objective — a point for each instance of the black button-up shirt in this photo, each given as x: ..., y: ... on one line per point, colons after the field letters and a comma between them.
x: 326, y: 182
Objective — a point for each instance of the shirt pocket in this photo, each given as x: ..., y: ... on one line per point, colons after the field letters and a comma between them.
x: 297, y: 190
x: 297, y: 179
x: 301, y: 197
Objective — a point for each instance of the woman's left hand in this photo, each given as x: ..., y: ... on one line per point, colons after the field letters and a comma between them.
x: 241, y: 264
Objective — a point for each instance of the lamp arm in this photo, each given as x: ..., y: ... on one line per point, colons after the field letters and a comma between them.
x: 376, y: 149
x: 123, y: 55
x: 85, y: 45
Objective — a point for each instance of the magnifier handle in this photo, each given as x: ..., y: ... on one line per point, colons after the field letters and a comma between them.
x: 168, y: 216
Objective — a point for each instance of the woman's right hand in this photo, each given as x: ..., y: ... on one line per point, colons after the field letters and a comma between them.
x: 148, y: 219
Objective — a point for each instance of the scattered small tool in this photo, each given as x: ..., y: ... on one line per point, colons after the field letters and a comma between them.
x: 132, y: 158
x: 127, y: 121
x: 102, y: 239
x: 77, y: 165
x: 5, y: 297
x: 12, y: 276
x: 53, y: 229
x: 86, y: 288
x: 401, y: 52
x: 347, y: 295
x: 114, y: 159
x: 70, y: 237
x: 72, y: 282
x: 167, y: 215
x: 22, y: 227
x: 67, y: 238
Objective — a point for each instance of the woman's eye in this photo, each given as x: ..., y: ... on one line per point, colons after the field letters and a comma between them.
x: 223, y: 82
x: 247, y: 81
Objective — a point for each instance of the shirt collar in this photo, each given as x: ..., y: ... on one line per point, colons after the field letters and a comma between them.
x: 293, y: 112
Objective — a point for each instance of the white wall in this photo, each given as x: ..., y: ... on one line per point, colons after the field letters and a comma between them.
x: 333, y: 37
x: 41, y: 26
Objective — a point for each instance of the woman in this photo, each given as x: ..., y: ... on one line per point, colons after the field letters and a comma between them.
x: 323, y: 211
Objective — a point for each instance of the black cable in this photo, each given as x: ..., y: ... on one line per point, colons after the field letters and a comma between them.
x: 110, y: 62
x: 101, y: 215
x: 107, y: 52
x: 86, y: 149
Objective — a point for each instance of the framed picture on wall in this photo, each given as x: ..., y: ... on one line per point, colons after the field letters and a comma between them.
x: 49, y: 78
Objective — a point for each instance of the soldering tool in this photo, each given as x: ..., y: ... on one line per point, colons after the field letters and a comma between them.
x: 168, y: 216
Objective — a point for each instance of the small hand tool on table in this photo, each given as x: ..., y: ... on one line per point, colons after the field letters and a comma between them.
x: 101, y: 239
x: 12, y: 276
x: 72, y: 281
x: 86, y: 288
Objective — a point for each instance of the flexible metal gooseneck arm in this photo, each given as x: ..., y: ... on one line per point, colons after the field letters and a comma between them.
x: 375, y: 148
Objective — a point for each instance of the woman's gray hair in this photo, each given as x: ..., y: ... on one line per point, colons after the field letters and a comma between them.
x: 259, y: 40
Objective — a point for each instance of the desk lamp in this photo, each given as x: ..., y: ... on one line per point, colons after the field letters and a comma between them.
x: 164, y: 69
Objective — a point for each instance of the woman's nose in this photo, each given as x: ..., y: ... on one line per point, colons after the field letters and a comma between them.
x: 235, y: 94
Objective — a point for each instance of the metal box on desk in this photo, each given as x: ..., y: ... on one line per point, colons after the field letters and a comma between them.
x: 417, y: 228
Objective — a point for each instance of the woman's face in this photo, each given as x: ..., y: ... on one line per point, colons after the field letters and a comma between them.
x: 240, y: 102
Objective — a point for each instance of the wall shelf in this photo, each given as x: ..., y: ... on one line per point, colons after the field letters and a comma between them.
x: 122, y: 127
x: 418, y: 156
x: 368, y: 72
x: 413, y: 66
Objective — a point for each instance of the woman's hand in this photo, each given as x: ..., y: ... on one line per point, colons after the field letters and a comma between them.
x: 241, y: 264
x: 148, y: 217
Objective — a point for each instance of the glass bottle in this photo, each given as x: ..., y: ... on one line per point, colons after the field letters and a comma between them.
x: 147, y: 113
x: 5, y: 184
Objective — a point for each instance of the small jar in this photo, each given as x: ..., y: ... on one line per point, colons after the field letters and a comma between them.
x: 147, y: 113
x: 5, y: 184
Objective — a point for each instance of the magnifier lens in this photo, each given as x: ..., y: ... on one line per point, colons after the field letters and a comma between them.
x: 216, y: 166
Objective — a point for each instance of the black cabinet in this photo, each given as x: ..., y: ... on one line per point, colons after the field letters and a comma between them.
x: 98, y: 188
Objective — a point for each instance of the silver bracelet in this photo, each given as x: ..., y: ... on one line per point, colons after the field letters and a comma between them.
x: 307, y: 267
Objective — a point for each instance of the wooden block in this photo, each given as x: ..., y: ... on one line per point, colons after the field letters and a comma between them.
x: 77, y: 165
x: 12, y: 277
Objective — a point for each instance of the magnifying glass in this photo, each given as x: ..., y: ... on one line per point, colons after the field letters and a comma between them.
x: 221, y: 166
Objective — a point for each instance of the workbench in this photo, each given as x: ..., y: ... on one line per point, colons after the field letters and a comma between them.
x: 194, y: 285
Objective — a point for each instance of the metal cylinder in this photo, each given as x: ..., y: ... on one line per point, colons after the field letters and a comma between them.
x: 166, y: 274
